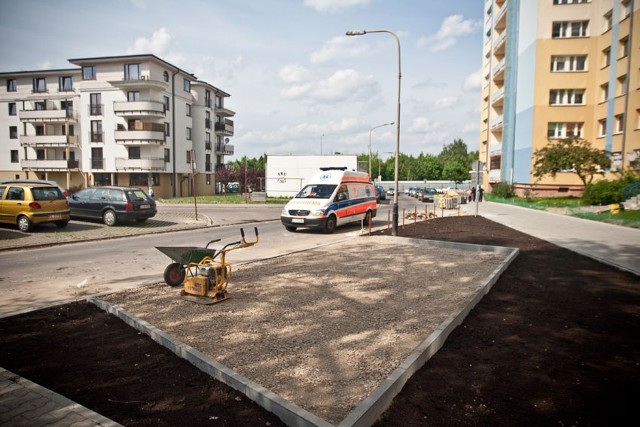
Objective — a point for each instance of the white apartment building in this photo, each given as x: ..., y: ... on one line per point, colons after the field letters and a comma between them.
x: 119, y: 120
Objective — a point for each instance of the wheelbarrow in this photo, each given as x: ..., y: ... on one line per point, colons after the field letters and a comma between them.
x: 203, y: 272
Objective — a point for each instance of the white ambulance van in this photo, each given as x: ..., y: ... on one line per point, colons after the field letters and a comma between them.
x: 333, y: 197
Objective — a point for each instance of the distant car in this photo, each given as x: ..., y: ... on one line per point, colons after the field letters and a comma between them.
x: 412, y: 191
x: 426, y: 194
x: 26, y: 205
x: 112, y: 205
x: 233, y: 187
x: 390, y: 191
x: 380, y: 194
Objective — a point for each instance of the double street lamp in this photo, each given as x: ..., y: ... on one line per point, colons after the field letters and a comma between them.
x: 394, y: 224
x: 371, y: 130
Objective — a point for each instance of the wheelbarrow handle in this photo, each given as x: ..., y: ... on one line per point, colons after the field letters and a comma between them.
x: 213, y: 241
x: 242, y: 233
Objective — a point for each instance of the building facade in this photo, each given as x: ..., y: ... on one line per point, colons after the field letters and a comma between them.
x: 121, y: 120
x: 555, y: 69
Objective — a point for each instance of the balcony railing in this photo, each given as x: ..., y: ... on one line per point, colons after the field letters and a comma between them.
x: 141, y: 133
x: 224, y: 149
x: 222, y: 111
x: 95, y: 109
x: 139, y: 108
x: 96, y: 136
x: 225, y: 128
x: 48, y: 140
x: 47, y: 115
x: 147, y: 164
x: 50, y: 164
x: 97, y: 162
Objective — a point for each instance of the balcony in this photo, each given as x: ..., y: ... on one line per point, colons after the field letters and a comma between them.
x: 50, y: 116
x: 95, y: 109
x: 97, y: 163
x: 139, y: 109
x: 49, y: 164
x: 225, y: 112
x: 141, y: 134
x: 497, y: 98
x: 224, y: 149
x: 224, y: 128
x: 144, y: 82
x: 494, y: 175
x: 500, y: 19
x: 48, y: 140
x: 500, y: 46
x: 496, y: 124
x: 147, y: 164
x: 498, y: 73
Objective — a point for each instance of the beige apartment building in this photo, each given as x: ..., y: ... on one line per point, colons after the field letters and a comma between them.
x: 119, y: 120
x: 554, y: 69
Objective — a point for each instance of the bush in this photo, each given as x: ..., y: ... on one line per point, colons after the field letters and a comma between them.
x: 630, y: 190
x: 503, y: 190
x: 603, y: 193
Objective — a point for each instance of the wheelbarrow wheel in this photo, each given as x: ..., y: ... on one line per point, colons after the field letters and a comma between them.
x: 174, y: 274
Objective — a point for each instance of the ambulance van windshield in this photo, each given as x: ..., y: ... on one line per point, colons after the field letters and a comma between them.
x: 316, y: 191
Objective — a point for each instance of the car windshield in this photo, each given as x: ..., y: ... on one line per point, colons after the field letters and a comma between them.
x: 46, y: 193
x: 316, y: 191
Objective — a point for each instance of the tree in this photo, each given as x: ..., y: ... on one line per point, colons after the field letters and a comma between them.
x: 571, y: 155
x: 456, y: 170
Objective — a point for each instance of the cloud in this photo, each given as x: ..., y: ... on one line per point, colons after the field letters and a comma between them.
x: 334, y: 5
x: 429, y: 82
x: 446, y: 102
x: 339, y: 47
x: 451, y: 29
x: 423, y: 124
x: 342, y: 85
x: 473, y: 81
x: 157, y: 44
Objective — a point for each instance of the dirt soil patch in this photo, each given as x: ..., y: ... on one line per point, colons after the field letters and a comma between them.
x: 556, y: 342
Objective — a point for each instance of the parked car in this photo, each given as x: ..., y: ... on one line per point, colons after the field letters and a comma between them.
x: 412, y: 191
x: 426, y: 194
x: 380, y: 193
x: 35, y: 181
x: 26, y: 205
x: 112, y: 205
x: 390, y: 191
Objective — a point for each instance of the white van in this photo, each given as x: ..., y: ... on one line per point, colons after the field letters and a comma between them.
x: 333, y: 197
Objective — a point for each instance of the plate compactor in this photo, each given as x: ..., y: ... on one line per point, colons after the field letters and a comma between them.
x: 203, y: 272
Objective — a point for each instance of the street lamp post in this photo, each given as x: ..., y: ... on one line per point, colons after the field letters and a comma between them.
x: 394, y: 224
x: 371, y: 130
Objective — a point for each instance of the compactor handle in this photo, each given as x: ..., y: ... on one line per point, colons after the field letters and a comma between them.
x: 242, y: 233
x: 213, y: 241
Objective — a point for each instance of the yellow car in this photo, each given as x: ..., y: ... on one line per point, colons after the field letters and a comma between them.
x: 26, y: 205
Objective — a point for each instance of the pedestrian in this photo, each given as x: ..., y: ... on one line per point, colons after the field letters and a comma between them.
x: 469, y: 195
x: 151, y: 192
x: 480, y: 191
x: 473, y: 193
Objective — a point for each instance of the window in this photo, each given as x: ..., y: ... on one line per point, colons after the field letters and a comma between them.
x: 40, y: 154
x: 624, y: 47
x: 570, y: 1
x: 167, y: 155
x: 39, y: 85
x: 566, y: 97
x: 39, y: 130
x: 622, y: 86
x: 602, y: 127
x: 564, y: 130
x: 89, y: 72
x: 207, y: 98
x: 13, y: 110
x: 568, y: 63
x: 65, y: 84
x: 608, y: 21
x: 619, y: 123
x: 13, y: 132
x: 605, y: 92
x: 14, y: 156
x: 567, y: 29
x: 97, y: 159
x: 218, y: 101
x: 626, y: 9
x: 188, y: 156
x: 165, y: 76
x: 207, y: 119
x: 188, y: 110
x: 187, y: 85
x: 167, y: 129
x: 133, y: 96
x: 96, y: 131
x: 188, y: 134
x: 167, y: 104
x: 207, y: 163
x: 40, y: 105
x: 67, y: 106
x: 132, y: 71
x: 95, y: 107
x: 606, y: 57
x: 134, y: 152
x: 12, y: 85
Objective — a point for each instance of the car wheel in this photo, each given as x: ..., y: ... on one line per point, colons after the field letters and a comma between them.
x: 290, y: 228
x: 330, y: 225
x: 109, y: 218
x: 367, y: 218
x: 24, y: 224
x: 61, y: 224
x: 174, y: 274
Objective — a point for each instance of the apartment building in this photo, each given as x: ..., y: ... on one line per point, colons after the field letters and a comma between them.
x: 554, y: 69
x: 119, y: 120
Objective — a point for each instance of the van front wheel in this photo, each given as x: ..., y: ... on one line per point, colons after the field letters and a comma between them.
x: 330, y: 225
x: 290, y: 228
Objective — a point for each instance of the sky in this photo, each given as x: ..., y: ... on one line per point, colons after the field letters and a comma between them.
x: 298, y: 84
